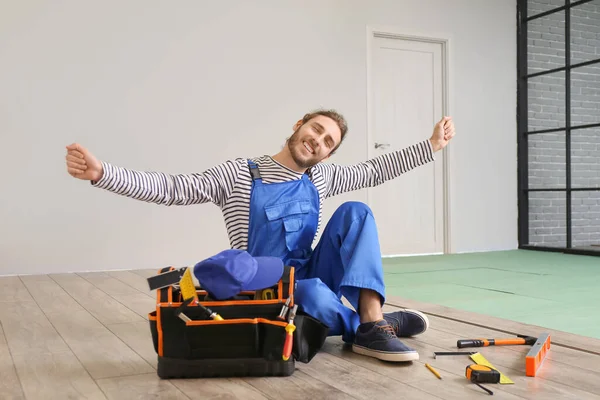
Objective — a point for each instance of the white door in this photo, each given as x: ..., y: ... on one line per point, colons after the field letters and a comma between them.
x: 406, y: 99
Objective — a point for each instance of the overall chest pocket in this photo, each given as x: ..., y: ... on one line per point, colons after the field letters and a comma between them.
x: 291, y: 219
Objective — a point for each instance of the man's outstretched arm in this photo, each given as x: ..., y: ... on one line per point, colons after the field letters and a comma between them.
x: 213, y: 185
x: 373, y: 172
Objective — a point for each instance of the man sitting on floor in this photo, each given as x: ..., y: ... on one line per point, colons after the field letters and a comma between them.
x: 272, y: 207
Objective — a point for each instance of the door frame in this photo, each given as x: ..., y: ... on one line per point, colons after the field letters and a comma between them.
x: 392, y: 32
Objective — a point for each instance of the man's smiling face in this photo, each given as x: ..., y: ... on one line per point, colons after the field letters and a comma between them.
x: 313, y: 141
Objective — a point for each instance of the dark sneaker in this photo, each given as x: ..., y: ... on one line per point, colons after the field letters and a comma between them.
x: 378, y: 339
x: 407, y: 322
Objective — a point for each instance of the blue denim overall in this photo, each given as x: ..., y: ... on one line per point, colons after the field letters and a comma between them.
x: 283, y: 223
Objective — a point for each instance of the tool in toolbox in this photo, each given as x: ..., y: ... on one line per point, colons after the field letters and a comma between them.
x: 479, y: 374
x: 188, y: 292
x: 209, y: 313
x: 284, y: 310
x: 179, y: 311
x: 190, y: 295
x: 166, y: 279
x: 264, y: 294
x: 533, y: 359
x: 290, y: 328
x: 186, y: 286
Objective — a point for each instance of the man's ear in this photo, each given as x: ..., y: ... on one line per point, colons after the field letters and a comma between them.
x: 297, y: 125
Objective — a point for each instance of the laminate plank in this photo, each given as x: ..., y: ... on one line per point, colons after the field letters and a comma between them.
x: 55, y: 376
x: 133, y: 280
x: 138, y: 337
x: 358, y: 381
x: 11, y: 290
x: 101, y: 352
x: 108, y: 284
x: 219, y: 389
x: 27, y: 330
x: 457, y: 387
x: 106, y: 309
x: 140, y: 387
x: 10, y: 386
x: 298, y: 386
x: 44, y: 365
x: 402, y: 372
x: 138, y: 303
x: 129, y: 297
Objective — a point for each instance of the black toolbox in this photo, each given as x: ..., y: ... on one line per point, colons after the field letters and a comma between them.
x: 248, y: 341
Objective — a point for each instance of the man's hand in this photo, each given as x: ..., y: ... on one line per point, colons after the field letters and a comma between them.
x: 443, y: 132
x: 82, y: 164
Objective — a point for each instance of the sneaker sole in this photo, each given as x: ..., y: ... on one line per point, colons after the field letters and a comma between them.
x: 384, y: 355
x: 420, y: 315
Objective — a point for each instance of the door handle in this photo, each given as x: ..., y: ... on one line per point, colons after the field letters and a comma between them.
x: 381, y: 145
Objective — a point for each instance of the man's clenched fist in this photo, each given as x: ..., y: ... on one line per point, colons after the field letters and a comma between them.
x: 82, y: 164
x: 443, y: 132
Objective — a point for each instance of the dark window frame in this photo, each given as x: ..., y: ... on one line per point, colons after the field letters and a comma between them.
x: 523, y: 128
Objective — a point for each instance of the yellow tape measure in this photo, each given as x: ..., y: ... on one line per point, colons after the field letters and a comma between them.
x: 479, y: 359
x: 186, y: 284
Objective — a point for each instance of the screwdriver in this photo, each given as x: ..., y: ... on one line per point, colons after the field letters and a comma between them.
x: 210, y: 313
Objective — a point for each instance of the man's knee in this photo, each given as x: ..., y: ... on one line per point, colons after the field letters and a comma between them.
x: 355, y: 208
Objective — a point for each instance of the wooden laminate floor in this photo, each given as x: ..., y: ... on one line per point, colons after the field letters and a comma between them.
x: 86, y: 336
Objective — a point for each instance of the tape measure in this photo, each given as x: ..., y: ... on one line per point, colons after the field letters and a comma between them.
x: 482, y: 374
x: 480, y: 359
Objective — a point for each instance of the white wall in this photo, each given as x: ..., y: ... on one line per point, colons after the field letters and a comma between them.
x: 180, y: 86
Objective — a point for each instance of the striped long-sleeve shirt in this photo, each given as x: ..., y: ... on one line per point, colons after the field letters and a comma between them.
x: 228, y: 185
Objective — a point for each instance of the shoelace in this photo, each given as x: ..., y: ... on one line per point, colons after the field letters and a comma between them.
x: 388, y: 329
x: 395, y: 324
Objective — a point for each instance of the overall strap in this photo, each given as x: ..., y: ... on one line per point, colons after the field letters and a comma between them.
x: 254, y: 170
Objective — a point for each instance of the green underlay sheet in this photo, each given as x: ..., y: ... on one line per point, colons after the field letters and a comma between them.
x: 553, y: 290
